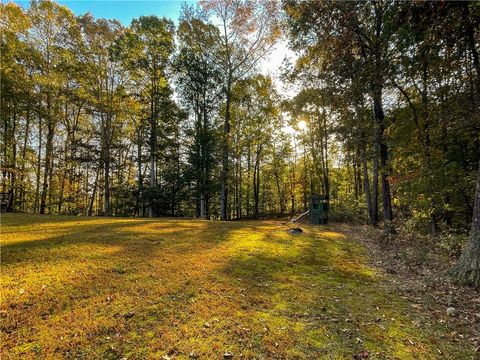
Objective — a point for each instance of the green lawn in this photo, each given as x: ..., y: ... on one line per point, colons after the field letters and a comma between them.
x: 92, y: 288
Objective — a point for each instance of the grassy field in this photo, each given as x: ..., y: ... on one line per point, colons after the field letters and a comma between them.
x: 93, y: 288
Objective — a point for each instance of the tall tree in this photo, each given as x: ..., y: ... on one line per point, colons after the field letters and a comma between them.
x: 248, y: 31
x: 255, y: 116
x: 198, y: 80
x: 52, y: 25
x: 16, y: 87
x: 146, y: 50
x: 105, y: 83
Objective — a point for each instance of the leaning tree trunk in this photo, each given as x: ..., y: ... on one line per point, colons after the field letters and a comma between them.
x: 467, y: 270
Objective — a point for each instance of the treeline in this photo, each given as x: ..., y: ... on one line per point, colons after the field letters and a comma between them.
x: 153, y: 119
x: 91, y: 123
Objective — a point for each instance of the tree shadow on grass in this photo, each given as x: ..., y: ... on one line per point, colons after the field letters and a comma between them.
x: 151, y: 266
x: 129, y: 235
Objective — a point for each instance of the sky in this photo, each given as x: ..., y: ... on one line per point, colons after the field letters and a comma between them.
x: 123, y: 10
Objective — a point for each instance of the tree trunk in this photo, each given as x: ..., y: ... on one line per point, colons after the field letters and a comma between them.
x: 48, y: 161
x: 152, y: 179
x: 235, y: 188
x: 355, y: 179
x: 467, y: 270
x: 326, y: 179
x: 106, y: 179
x: 204, y: 160
x: 178, y: 173
x: 39, y: 164
x: 153, y: 145
x: 13, y: 175
x: 376, y: 151
x: 64, y: 172
x: 382, y: 146
x: 225, y: 153
x: 281, y: 201
x: 293, y: 180
x: 304, y: 176
x: 24, y: 156
x: 199, y: 169
x: 94, y: 193
x: 256, y: 184
x: 387, y: 201
x: 471, y: 35
x: 139, y: 167
x: 366, y: 184
x: 239, y: 188
x: 249, y: 165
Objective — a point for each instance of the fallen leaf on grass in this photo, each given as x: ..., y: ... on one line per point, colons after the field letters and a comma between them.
x: 172, y: 353
x: 364, y: 354
x: 119, y: 270
x: 129, y: 315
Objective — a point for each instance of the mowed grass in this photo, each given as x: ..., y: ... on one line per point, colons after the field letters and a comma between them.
x: 93, y: 288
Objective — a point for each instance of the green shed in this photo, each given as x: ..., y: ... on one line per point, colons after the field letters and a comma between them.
x: 318, y: 209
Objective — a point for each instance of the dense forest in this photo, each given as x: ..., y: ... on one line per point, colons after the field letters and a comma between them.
x: 165, y: 119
